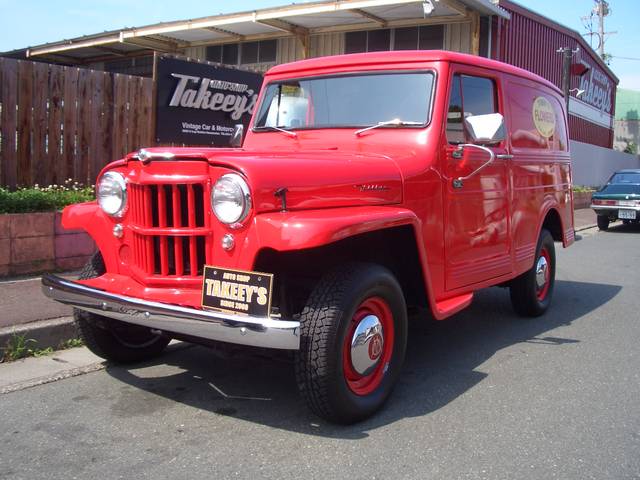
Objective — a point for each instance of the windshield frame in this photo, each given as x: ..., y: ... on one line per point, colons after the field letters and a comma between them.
x: 268, y: 129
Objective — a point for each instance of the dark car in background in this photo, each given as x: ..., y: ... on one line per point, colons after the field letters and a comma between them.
x: 619, y: 199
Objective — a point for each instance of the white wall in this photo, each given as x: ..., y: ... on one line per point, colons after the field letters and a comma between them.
x: 592, y: 166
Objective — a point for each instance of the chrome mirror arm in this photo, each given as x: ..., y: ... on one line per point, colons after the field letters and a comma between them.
x: 458, y: 182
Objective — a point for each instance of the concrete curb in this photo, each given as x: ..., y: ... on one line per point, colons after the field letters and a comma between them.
x: 585, y: 227
x: 47, y: 333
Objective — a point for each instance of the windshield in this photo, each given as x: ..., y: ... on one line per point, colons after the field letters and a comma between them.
x: 347, y: 101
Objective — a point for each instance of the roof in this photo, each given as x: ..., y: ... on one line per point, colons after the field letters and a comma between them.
x: 627, y: 104
x: 517, y: 8
x: 295, y: 19
x: 403, y: 56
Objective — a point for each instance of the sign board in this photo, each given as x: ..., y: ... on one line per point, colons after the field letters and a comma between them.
x: 199, y: 103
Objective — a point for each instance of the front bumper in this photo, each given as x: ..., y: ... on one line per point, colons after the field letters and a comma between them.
x: 254, y: 331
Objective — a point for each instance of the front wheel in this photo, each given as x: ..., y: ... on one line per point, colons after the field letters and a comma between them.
x: 531, y: 292
x: 353, y: 342
x: 110, y: 339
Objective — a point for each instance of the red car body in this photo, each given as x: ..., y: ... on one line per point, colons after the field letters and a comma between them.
x: 389, y: 191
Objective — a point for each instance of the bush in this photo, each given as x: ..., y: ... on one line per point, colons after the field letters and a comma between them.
x: 44, y: 199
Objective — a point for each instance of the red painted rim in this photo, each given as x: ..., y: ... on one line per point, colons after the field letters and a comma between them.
x: 541, y: 293
x: 366, y: 384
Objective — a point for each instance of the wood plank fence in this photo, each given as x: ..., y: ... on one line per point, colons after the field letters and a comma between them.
x: 65, y: 122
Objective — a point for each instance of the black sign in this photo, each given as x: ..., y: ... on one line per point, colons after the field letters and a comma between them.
x: 237, y: 291
x: 199, y: 103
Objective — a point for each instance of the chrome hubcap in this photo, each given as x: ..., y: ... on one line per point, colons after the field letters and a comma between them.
x: 541, y: 272
x: 367, y: 345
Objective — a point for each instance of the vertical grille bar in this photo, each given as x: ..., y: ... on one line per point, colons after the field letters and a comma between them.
x: 148, y: 212
x: 193, y: 255
x: 162, y: 222
x: 177, y: 247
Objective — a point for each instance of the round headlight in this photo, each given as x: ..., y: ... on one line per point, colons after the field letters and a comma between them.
x: 112, y: 194
x: 231, y: 199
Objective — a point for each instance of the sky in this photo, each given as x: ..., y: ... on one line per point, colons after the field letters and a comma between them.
x: 33, y: 22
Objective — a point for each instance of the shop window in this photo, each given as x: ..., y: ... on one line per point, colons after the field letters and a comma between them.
x: 268, y: 50
x: 230, y: 54
x: 214, y: 53
x: 250, y: 52
x: 367, y: 41
x: 431, y: 37
x: 406, y: 38
x: 469, y: 96
x: 419, y: 38
x: 378, y: 40
x: 355, y: 42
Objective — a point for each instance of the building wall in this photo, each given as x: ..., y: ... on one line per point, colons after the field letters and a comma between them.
x: 593, y: 165
x: 531, y: 42
x: 457, y: 37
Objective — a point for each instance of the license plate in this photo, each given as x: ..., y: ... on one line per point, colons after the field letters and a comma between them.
x: 627, y: 214
x: 237, y: 291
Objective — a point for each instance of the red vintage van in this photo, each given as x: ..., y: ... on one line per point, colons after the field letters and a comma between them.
x: 366, y: 185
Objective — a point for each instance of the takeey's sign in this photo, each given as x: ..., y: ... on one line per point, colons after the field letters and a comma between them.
x: 199, y: 104
x: 237, y: 291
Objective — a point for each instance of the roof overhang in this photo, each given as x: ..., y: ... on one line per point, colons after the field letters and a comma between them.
x: 292, y: 20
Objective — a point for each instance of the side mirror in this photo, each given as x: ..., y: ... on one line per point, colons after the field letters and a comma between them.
x: 485, y: 129
x: 238, y: 134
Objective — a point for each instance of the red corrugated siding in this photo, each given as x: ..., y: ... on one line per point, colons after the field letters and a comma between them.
x: 584, y: 131
x: 532, y: 45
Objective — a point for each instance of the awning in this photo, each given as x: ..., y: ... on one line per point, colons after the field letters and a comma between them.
x: 300, y: 20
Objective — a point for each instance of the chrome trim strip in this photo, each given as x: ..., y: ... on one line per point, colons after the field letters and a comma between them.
x: 224, y: 327
x: 613, y: 207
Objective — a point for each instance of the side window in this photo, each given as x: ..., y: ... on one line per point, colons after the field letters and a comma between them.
x: 469, y: 96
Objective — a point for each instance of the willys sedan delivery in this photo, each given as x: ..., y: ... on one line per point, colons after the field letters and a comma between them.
x: 367, y: 185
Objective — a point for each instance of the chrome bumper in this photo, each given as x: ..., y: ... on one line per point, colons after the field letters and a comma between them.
x: 259, y: 332
x: 613, y: 207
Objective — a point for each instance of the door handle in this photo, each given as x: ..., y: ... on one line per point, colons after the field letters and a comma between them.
x: 504, y: 156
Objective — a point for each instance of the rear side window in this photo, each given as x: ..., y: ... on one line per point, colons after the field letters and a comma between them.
x: 469, y: 96
x: 536, y: 118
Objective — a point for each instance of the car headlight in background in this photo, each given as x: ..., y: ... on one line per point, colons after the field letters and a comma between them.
x: 112, y: 194
x: 231, y: 199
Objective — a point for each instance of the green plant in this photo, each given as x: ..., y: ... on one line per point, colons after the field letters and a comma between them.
x: 17, y: 347
x: 44, y: 199
x: 71, y: 343
x: 582, y: 188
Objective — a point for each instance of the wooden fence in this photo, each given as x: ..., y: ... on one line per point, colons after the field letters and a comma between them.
x: 66, y: 122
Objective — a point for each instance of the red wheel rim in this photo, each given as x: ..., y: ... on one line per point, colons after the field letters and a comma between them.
x: 545, y: 260
x: 366, y: 384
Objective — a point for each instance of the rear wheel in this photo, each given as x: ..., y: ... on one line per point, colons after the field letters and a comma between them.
x: 353, y: 341
x: 603, y: 222
x: 111, y: 339
x: 531, y: 292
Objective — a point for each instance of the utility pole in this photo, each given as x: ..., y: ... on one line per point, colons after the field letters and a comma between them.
x: 601, y: 9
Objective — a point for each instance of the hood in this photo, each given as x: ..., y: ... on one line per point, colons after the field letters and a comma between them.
x: 312, y: 179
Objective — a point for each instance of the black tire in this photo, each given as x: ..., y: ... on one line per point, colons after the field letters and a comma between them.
x: 527, y: 297
x: 328, y: 320
x: 111, y: 339
x: 603, y: 222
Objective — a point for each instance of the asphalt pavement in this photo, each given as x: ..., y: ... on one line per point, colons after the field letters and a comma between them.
x: 484, y: 394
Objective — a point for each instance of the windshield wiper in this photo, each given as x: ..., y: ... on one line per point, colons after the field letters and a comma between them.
x: 396, y: 122
x: 277, y: 129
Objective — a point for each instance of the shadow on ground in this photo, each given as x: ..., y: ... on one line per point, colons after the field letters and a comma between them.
x: 619, y: 227
x: 441, y: 365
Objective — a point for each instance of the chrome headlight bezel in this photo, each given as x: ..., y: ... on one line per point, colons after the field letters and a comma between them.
x: 237, y: 190
x: 119, y: 186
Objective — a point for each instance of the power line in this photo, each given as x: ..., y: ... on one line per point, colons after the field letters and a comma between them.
x: 624, y: 58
